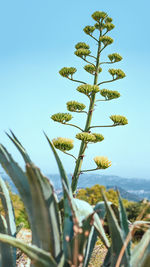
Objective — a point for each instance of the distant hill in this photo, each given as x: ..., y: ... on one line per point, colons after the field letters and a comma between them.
x: 125, y: 194
x: 133, y: 189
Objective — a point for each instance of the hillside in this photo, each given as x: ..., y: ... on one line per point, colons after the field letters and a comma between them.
x: 133, y: 189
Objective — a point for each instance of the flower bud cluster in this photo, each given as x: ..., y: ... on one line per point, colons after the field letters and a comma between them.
x: 92, y: 69
x: 102, y: 162
x: 61, y: 117
x: 109, y: 94
x: 82, y: 45
x: 102, y: 26
x: 65, y: 72
x: 90, y: 137
x: 117, y: 73
x: 88, y: 89
x: 63, y: 144
x: 106, y: 40
x: 108, y: 20
x: 75, y: 106
x: 119, y: 120
x: 109, y: 26
x: 115, y: 57
x: 89, y: 29
x: 98, y: 15
x: 82, y: 52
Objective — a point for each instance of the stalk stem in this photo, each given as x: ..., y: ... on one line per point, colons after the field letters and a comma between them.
x: 69, y: 154
x: 73, y: 126
x: 83, y: 145
x: 91, y: 170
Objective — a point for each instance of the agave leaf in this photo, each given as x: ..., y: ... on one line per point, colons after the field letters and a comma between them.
x: 20, y: 147
x: 47, y: 194
x: 9, y: 216
x: 59, y: 163
x: 7, y: 252
x: 39, y: 257
x: 141, y: 222
x: 18, y: 177
x: 141, y: 253
x: 83, y: 210
x: 124, y: 223
x: 116, y: 237
x: 92, y: 238
x: 68, y: 200
x: 101, y: 209
x: 79, y: 242
x: 8, y: 208
x: 46, y: 215
x: 20, y: 180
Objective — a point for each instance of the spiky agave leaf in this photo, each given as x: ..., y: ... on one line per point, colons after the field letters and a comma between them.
x: 116, y: 237
x: 40, y: 257
x: 9, y: 227
x: 7, y: 252
x: 67, y: 195
x: 47, y: 213
x: 27, y: 193
x: 124, y: 223
x: 140, y: 256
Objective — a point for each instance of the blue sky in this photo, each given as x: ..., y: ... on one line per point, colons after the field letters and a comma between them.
x: 37, y: 40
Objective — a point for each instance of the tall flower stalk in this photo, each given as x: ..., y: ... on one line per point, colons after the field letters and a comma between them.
x: 102, y: 26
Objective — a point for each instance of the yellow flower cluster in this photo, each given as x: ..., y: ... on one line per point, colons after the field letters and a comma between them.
x: 63, y: 144
x: 65, y: 72
x: 90, y: 137
x: 74, y: 106
x: 102, y: 162
x: 119, y: 120
x: 92, y: 69
x: 87, y: 89
x: 117, y: 73
x: 61, y: 117
x: 115, y: 57
x: 106, y: 40
x: 109, y: 94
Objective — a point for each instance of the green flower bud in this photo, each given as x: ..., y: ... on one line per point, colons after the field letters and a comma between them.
x: 82, y: 52
x: 86, y: 137
x: 109, y: 94
x: 115, y: 57
x: 99, y: 137
x: 87, y: 89
x: 106, y: 40
x: 97, y: 15
x: 99, y: 26
x: 91, y: 69
x: 89, y: 29
x: 82, y: 45
x: 102, y: 162
x: 119, y: 120
x: 75, y: 106
x: 63, y: 144
x: 108, y: 20
x: 61, y: 117
x: 109, y: 26
x: 117, y: 73
x: 90, y: 137
x: 65, y: 72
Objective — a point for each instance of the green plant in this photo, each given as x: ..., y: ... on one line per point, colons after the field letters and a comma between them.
x: 98, y: 32
x: 58, y: 238
x: 120, y: 252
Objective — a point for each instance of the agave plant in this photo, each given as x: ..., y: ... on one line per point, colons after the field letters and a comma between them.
x: 120, y: 252
x: 56, y: 240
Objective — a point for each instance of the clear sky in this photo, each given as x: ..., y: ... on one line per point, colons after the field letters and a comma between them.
x: 37, y: 40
